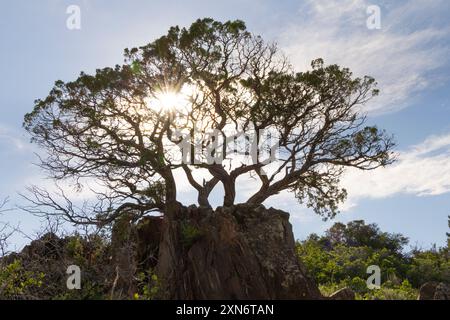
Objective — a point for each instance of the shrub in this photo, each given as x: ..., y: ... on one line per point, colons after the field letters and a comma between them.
x: 189, y: 234
x: 16, y: 282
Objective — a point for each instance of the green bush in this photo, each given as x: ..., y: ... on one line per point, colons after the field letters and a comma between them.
x: 148, y: 286
x: 15, y: 281
x: 189, y: 234
x: 340, y: 259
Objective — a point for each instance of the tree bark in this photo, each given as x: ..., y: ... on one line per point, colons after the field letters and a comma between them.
x: 260, y: 196
x: 203, y: 199
x: 230, y: 192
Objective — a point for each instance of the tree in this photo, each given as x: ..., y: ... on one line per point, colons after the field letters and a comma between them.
x: 2, y: 204
x: 356, y: 233
x: 122, y: 125
x: 448, y: 233
x: 348, y: 249
x: 6, y: 230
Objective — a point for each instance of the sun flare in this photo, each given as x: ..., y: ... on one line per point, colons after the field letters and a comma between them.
x: 171, y: 100
x: 168, y: 100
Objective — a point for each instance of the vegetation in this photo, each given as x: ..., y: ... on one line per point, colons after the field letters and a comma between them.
x: 340, y: 259
x: 39, y: 270
x: 335, y: 260
x: 189, y: 233
x: 123, y: 126
x: 130, y: 129
x: 148, y: 286
x: 15, y: 281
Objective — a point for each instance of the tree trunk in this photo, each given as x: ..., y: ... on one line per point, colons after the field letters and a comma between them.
x: 230, y: 192
x: 203, y: 200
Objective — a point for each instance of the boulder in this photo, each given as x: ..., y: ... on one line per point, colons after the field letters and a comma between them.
x: 343, y: 294
x: 434, y: 291
x: 442, y: 292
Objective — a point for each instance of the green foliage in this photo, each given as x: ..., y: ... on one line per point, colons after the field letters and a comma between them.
x: 148, y: 286
x: 429, y: 265
x: 357, y: 233
x: 404, y: 291
x: 448, y: 233
x: 189, y: 234
x: 103, y: 126
x: 89, y: 291
x: 90, y: 253
x: 51, y: 255
x: 75, y: 249
x: 86, y: 251
x: 387, y: 291
x: 340, y: 259
x: 16, y: 281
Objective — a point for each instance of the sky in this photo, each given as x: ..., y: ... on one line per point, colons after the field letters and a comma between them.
x: 409, y: 56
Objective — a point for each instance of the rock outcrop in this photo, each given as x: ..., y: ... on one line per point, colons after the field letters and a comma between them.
x: 442, y: 292
x: 238, y: 252
x: 343, y: 294
x: 434, y: 291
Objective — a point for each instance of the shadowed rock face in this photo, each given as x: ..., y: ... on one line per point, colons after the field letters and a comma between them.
x: 238, y: 252
x: 434, y: 291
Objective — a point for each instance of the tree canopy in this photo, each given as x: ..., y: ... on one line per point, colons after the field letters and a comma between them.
x: 121, y: 126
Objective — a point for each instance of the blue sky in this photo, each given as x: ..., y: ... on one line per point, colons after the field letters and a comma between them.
x: 409, y: 56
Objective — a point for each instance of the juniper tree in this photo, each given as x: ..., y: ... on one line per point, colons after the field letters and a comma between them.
x: 120, y: 125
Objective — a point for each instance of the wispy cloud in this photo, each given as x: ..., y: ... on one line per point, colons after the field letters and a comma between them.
x: 11, y: 139
x: 422, y: 170
x: 401, y: 55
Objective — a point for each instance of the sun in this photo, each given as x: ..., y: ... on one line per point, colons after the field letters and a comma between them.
x: 167, y: 100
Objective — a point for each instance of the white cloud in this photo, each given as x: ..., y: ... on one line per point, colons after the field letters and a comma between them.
x: 399, y: 56
x: 8, y: 137
x: 423, y: 170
